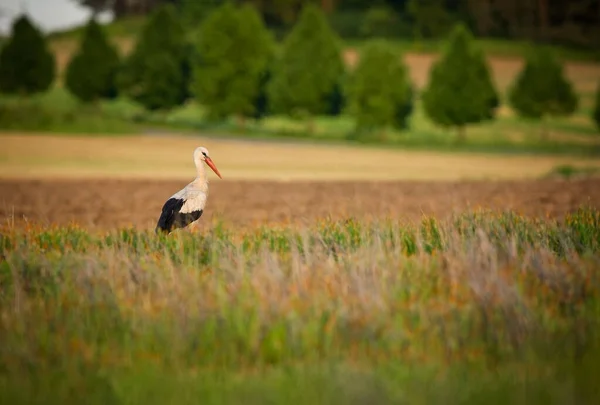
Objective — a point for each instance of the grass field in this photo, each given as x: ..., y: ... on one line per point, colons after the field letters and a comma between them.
x: 320, y: 274
x: 368, y: 276
x: 482, y: 308
x: 164, y: 156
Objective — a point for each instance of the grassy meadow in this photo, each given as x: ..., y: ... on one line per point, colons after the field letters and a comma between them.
x: 480, y: 307
x: 485, y: 307
x: 169, y: 157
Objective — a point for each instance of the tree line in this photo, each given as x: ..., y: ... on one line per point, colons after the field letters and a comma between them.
x: 573, y: 22
x: 231, y: 67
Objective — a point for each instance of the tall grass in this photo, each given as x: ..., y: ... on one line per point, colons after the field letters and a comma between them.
x: 483, y: 308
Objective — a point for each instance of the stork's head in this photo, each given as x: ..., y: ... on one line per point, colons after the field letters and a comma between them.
x: 201, y: 156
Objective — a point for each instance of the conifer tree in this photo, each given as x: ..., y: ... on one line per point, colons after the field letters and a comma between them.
x: 27, y: 66
x: 379, y: 92
x: 309, y: 69
x: 460, y: 90
x: 92, y: 72
x: 596, y: 112
x: 541, y: 90
x: 157, y: 72
x: 233, y: 51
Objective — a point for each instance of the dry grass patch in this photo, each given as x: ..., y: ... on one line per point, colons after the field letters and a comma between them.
x: 169, y: 157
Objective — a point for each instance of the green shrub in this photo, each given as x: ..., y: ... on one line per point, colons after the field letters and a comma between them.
x: 26, y: 64
x: 460, y: 90
x: 58, y: 110
x: 92, y: 72
x: 309, y: 69
x: 157, y: 72
x: 541, y: 90
x: 26, y: 114
x: 233, y: 51
x: 379, y: 90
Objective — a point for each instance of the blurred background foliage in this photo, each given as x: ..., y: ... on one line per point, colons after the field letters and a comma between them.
x: 274, y: 68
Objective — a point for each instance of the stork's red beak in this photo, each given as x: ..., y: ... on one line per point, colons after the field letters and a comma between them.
x: 211, y: 164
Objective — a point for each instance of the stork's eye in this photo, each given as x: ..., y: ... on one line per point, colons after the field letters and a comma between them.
x: 204, y: 153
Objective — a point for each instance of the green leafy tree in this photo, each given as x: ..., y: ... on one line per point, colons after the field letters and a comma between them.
x: 460, y: 90
x: 157, y: 72
x: 541, y: 90
x: 596, y: 112
x: 379, y: 92
x: 92, y: 72
x: 431, y: 18
x: 26, y: 64
x: 308, y: 71
x: 194, y: 12
x: 233, y: 52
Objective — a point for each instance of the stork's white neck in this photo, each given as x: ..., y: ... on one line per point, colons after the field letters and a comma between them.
x: 201, y: 177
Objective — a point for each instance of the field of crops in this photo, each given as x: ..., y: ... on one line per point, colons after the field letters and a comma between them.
x: 479, y: 308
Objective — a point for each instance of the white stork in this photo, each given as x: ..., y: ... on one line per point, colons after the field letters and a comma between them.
x: 187, y: 205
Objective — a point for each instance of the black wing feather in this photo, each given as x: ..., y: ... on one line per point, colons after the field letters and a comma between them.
x: 167, y: 216
x: 171, y: 216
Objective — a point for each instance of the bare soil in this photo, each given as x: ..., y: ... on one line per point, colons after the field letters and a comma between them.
x: 108, y: 204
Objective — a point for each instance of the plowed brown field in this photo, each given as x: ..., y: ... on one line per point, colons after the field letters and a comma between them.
x: 108, y: 204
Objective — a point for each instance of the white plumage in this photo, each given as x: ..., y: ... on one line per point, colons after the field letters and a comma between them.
x: 187, y: 205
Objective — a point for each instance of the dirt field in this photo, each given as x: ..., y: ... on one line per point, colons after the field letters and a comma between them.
x: 104, y: 183
x: 106, y: 204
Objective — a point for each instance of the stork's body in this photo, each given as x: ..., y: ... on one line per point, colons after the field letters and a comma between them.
x: 186, y: 206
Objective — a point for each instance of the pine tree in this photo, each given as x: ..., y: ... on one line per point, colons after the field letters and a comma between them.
x: 541, y: 90
x: 92, y: 72
x: 26, y: 64
x: 460, y: 89
x: 379, y: 92
x: 308, y: 71
x: 233, y: 51
x: 596, y: 112
x: 157, y: 72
